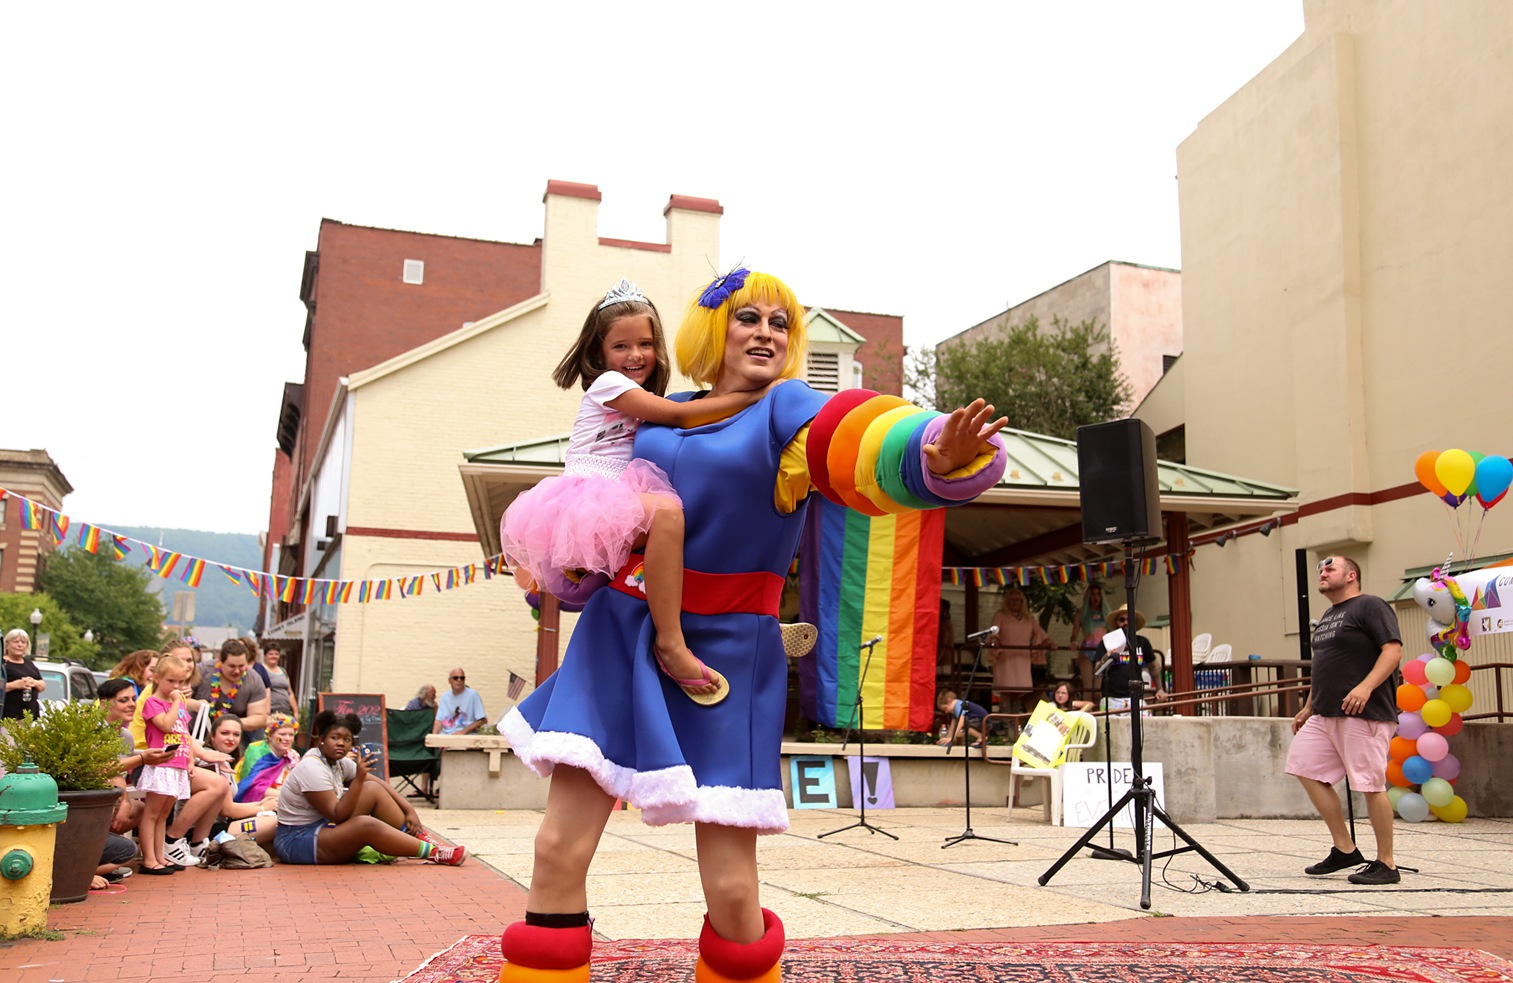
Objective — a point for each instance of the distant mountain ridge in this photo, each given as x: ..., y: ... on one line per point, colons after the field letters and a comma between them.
x: 217, y: 601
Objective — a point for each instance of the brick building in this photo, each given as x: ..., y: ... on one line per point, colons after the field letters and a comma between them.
x: 32, y: 473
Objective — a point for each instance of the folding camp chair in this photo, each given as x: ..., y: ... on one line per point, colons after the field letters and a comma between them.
x: 409, y: 758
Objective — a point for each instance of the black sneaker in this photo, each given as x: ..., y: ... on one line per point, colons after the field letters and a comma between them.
x: 1336, y: 861
x: 1376, y: 872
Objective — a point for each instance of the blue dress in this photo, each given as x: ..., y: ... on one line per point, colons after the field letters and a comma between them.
x: 611, y: 711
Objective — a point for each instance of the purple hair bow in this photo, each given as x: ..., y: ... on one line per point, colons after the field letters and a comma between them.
x: 720, y: 290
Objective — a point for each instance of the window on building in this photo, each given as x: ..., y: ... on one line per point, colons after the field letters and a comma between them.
x: 415, y: 271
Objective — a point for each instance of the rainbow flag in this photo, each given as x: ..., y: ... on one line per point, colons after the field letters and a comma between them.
x: 864, y: 577
x: 89, y: 537
x: 31, y: 514
x: 193, y: 571
x: 119, y: 546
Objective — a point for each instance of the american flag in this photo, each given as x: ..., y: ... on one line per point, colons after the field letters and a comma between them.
x: 517, y: 686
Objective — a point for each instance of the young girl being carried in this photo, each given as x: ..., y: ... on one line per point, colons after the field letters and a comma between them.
x: 167, y: 726
x: 607, y: 503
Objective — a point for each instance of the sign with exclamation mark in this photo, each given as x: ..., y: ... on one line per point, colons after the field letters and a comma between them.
x: 873, y: 779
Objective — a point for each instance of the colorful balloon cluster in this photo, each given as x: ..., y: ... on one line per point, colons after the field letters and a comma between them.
x: 1456, y: 475
x: 1421, y: 771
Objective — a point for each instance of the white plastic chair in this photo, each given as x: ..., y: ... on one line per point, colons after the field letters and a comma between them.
x: 1220, y: 653
x: 1084, y: 734
x: 1201, y: 644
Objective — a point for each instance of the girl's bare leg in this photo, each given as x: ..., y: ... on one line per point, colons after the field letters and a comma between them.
x: 728, y: 872
x: 664, y: 589
x: 576, y: 811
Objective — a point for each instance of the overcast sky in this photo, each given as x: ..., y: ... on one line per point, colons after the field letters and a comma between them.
x: 168, y: 165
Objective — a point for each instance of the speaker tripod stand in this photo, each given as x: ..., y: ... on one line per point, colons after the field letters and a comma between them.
x: 1140, y: 794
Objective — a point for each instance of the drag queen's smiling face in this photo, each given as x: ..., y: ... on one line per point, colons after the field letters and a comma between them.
x: 756, y: 347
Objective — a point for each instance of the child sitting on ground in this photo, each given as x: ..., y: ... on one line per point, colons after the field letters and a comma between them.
x: 960, y: 710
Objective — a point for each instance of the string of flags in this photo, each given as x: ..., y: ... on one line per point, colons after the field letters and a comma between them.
x: 1064, y: 573
x: 189, y: 569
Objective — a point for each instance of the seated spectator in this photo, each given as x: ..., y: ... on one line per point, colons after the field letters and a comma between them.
x: 460, y: 709
x: 1061, y: 698
x: 423, y: 700
x: 230, y: 687
x: 331, y: 807
x: 250, y: 814
x: 137, y: 667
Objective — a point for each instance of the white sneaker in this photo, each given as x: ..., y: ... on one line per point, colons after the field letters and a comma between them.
x: 177, y: 852
x: 197, y: 850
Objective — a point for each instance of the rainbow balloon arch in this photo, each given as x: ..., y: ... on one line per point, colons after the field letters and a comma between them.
x: 1421, y: 770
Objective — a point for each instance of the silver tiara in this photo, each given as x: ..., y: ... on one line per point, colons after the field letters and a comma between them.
x: 622, y: 292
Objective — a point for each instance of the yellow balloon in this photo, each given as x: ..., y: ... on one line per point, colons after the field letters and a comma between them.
x: 1456, y: 697
x: 1436, y: 713
x: 1455, y: 469
x: 1453, y: 813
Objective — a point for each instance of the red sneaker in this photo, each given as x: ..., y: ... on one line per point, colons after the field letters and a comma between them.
x: 452, y: 856
x: 421, y: 834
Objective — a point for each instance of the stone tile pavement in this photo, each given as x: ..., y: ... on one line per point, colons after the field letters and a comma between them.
x: 378, y: 923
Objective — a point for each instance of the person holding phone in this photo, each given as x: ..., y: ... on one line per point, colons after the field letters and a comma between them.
x: 331, y: 806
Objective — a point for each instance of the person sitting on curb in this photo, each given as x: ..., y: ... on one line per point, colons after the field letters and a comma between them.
x: 331, y: 806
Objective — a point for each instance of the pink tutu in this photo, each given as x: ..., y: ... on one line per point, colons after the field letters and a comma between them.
x: 582, y: 520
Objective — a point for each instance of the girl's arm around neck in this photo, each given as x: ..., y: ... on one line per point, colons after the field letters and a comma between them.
x: 695, y: 412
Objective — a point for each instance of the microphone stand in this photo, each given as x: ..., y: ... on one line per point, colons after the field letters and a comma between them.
x: 860, y: 795
x: 966, y: 756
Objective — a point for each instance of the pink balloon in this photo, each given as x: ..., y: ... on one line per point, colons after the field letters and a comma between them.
x: 1411, y: 725
x: 1413, y: 672
x: 1425, y: 658
x: 1447, y: 768
x: 1432, y: 747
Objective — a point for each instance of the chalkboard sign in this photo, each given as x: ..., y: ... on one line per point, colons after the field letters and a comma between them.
x: 369, y: 708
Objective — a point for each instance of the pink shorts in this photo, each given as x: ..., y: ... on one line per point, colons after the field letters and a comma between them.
x: 1326, y: 749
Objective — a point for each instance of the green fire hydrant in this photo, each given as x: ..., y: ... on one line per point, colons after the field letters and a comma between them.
x: 29, y: 817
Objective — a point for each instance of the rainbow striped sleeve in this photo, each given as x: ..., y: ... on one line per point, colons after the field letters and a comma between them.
x: 865, y: 451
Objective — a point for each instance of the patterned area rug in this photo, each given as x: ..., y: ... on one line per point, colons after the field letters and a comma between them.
x: 476, y: 959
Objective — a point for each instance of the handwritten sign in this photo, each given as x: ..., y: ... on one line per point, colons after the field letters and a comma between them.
x: 1085, y: 792
x: 369, y: 708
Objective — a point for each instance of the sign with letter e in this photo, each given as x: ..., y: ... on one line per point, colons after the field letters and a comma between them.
x: 812, y: 779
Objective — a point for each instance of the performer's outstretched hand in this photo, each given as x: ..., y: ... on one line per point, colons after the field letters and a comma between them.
x: 964, y: 436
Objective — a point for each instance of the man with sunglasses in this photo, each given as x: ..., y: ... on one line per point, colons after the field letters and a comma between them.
x: 460, y: 710
x: 1346, y: 725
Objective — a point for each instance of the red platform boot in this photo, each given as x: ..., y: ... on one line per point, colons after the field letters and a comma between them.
x: 538, y: 954
x: 730, y: 962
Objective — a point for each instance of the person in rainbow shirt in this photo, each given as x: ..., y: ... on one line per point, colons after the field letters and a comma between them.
x: 609, y: 724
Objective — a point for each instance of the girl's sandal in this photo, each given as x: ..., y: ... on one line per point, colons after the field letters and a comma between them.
x: 707, y: 677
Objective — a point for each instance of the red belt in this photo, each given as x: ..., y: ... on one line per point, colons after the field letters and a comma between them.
x: 711, y: 593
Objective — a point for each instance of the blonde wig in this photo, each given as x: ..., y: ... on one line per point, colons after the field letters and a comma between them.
x: 701, y: 339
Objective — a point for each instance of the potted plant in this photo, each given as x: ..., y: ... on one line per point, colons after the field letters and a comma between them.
x: 80, y: 748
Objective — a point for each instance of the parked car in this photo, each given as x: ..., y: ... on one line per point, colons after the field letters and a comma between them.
x: 68, y: 681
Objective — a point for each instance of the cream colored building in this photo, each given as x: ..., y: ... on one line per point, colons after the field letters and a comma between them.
x: 1347, y: 237
x: 389, y: 455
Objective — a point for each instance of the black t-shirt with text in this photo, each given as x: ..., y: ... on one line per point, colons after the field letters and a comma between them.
x: 1346, y: 645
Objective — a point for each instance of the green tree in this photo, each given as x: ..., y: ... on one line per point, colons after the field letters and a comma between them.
x: 65, y: 639
x: 1046, y: 380
x: 109, y: 598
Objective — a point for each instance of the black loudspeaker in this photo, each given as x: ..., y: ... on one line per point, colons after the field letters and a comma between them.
x: 1116, y: 465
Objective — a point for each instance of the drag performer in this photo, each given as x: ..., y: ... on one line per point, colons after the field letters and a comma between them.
x: 606, y: 725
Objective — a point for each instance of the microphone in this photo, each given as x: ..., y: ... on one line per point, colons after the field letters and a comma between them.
x: 982, y: 634
x: 872, y: 641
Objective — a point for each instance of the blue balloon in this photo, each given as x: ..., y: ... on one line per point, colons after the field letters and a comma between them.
x: 1418, y: 770
x: 1493, y: 475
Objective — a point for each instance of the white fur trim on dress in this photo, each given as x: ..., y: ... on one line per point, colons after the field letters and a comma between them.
x: 665, y: 796
x: 542, y: 751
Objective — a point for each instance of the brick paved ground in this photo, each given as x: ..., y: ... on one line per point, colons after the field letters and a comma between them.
x: 289, y: 924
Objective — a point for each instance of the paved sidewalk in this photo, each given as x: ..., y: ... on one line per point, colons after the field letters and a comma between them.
x: 378, y: 923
